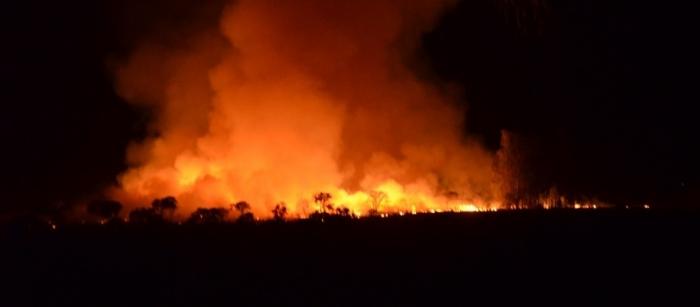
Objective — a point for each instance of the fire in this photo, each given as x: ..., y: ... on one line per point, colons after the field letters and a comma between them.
x: 468, y: 208
x: 285, y: 99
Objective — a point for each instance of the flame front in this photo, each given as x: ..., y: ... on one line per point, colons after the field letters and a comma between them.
x: 289, y: 98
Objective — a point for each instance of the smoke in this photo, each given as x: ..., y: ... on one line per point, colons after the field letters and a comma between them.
x: 286, y: 98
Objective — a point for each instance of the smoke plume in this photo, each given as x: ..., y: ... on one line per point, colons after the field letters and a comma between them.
x: 287, y: 98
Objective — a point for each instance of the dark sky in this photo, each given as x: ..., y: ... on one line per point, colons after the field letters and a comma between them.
x: 604, y: 92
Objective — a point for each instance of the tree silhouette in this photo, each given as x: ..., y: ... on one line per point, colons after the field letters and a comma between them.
x: 104, y: 210
x: 242, y: 207
x: 280, y: 212
x: 323, y: 199
x: 165, y: 206
x: 244, y: 214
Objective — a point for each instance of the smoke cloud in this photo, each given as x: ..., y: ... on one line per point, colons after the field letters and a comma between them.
x: 286, y: 98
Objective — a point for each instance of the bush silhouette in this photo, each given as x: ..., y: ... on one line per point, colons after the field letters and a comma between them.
x: 343, y: 212
x: 165, y: 206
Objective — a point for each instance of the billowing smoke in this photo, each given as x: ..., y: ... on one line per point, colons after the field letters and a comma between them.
x: 287, y: 98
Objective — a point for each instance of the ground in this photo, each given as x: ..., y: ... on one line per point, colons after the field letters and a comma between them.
x: 567, y: 257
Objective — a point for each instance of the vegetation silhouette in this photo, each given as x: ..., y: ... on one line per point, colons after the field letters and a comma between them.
x: 377, y: 199
x: 244, y: 214
x: 242, y: 207
x: 327, y: 210
x: 344, y: 212
x: 279, y: 213
x: 323, y: 199
x: 161, y: 211
x: 165, y: 206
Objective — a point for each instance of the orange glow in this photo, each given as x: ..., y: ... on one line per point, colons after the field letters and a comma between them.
x: 468, y: 208
x: 289, y: 98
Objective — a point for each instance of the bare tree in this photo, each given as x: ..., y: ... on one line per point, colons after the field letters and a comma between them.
x: 377, y: 200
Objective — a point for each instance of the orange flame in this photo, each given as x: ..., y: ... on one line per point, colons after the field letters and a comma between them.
x: 289, y: 98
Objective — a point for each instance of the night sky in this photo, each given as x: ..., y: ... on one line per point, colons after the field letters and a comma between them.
x: 604, y: 92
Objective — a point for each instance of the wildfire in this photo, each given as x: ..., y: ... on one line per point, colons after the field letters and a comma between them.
x: 285, y: 99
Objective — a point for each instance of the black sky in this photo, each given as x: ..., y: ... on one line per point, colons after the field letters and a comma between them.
x: 604, y: 91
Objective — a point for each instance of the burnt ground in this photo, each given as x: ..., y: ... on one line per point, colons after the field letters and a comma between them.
x: 558, y: 257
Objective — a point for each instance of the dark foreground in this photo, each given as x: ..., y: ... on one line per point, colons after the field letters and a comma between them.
x: 558, y: 257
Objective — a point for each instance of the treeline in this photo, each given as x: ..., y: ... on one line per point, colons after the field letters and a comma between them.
x: 163, y: 210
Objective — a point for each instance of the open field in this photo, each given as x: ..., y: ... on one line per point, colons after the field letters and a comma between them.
x: 564, y: 257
